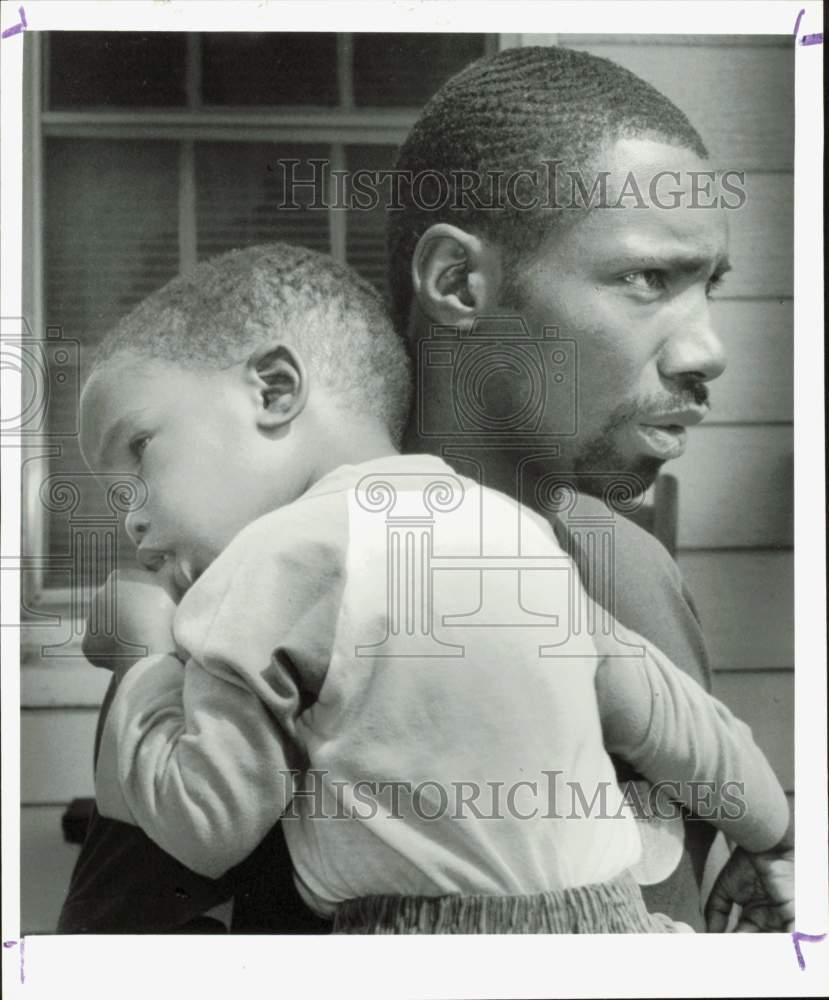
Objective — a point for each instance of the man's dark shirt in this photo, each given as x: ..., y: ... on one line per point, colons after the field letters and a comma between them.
x: 649, y: 597
x: 125, y: 883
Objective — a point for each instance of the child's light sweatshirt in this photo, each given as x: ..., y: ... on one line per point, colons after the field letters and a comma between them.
x: 408, y: 661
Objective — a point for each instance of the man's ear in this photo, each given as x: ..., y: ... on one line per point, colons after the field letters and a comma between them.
x: 281, y: 384
x: 455, y: 275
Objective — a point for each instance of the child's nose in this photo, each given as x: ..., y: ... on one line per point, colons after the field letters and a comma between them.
x: 137, y: 524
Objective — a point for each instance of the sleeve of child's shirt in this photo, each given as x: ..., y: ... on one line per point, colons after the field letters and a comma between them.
x: 679, y: 737
x: 199, y: 749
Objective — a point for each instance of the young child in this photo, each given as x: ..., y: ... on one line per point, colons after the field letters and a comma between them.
x: 433, y: 729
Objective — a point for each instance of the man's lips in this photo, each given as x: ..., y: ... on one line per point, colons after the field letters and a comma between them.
x: 664, y: 435
x: 687, y: 417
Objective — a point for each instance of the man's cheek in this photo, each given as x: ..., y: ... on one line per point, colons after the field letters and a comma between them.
x: 600, y: 372
x: 597, y: 406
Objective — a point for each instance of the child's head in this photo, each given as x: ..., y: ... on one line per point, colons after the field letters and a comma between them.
x: 231, y: 390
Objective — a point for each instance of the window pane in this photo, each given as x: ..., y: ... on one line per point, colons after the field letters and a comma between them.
x: 405, y: 70
x: 365, y: 229
x: 271, y: 68
x: 121, y: 68
x: 110, y: 239
x: 250, y: 193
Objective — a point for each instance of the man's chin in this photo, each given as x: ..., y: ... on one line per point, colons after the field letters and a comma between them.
x: 618, y: 479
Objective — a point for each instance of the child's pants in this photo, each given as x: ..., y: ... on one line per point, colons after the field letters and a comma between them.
x: 613, y: 907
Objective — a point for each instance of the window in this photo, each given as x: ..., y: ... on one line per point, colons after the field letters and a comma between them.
x: 154, y: 151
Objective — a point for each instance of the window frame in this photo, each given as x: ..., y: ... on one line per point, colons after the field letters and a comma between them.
x: 337, y: 127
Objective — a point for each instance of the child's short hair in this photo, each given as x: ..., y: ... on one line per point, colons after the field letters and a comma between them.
x: 226, y: 307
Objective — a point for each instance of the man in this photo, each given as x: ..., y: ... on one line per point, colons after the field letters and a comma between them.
x: 626, y: 288
x: 550, y: 163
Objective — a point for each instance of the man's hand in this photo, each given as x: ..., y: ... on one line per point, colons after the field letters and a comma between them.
x: 762, y: 884
x: 142, y: 605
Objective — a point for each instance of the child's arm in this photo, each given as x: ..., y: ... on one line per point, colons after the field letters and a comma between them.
x: 199, y: 753
x: 673, y: 732
x: 195, y: 759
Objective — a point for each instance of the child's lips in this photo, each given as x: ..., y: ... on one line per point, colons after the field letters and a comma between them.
x: 151, y: 559
x: 177, y: 572
x: 183, y: 575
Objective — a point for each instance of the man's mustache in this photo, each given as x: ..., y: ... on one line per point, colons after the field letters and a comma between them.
x: 694, y: 396
x: 695, y: 392
x: 690, y: 394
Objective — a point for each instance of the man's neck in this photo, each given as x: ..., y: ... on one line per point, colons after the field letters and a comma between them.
x: 498, y: 467
x: 433, y: 429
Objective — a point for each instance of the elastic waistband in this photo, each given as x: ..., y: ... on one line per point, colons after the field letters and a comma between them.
x: 613, y: 907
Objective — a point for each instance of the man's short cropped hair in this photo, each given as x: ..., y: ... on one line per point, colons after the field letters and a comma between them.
x: 512, y: 112
x: 225, y: 308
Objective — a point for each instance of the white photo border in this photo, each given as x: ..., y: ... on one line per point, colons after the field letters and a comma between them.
x: 631, y: 965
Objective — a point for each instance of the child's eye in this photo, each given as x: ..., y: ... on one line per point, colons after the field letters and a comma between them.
x: 713, y: 283
x: 647, y: 281
x: 137, y: 446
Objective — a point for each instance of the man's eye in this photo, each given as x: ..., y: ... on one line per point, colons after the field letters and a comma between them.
x: 137, y: 446
x: 649, y: 281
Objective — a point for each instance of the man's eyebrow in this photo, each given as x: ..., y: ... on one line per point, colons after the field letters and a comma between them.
x: 689, y: 262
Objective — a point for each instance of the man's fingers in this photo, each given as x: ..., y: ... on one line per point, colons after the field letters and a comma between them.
x: 784, y: 911
x: 716, y: 922
x: 717, y: 910
x: 766, y: 918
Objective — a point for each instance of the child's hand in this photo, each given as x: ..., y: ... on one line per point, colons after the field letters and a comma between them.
x: 762, y: 884
x: 145, y: 604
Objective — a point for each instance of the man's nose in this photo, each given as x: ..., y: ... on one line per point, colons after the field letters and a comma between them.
x: 694, y: 350
x: 137, y: 524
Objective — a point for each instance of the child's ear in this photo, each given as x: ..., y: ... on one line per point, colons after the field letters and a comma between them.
x: 455, y: 275
x: 281, y: 384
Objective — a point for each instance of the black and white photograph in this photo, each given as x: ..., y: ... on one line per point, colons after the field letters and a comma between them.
x: 407, y: 428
